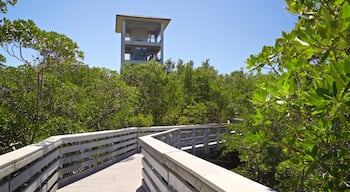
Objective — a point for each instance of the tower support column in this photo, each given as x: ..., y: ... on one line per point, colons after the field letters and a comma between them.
x: 122, y: 51
x: 162, y: 42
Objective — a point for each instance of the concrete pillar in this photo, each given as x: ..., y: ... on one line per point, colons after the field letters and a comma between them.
x: 162, y: 42
x: 122, y: 51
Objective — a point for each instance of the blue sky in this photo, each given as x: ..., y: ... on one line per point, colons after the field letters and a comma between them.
x: 224, y: 31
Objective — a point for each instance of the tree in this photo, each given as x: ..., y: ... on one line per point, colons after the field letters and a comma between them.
x: 298, y: 138
x: 107, y: 101
x: 238, y: 88
x: 3, y: 5
x: 17, y: 90
x: 75, y: 98
x: 151, y: 80
x: 52, y: 49
x: 3, y: 9
x: 206, y: 86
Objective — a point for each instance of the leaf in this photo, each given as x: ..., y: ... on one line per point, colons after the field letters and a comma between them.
x: 345, y: 11
x: 309, y: 157
x: 339, y: 2
x: 335, y: 91
x: 301, y: 42
x: 325, y: 55
x: 311, y: 168
x: 337, y: 74
x: 323, y: 93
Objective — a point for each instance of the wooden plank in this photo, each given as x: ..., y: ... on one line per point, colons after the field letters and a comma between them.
x: 191, y: 141
x: 206, y: 176
x: 187, y: 139
x: 199, y: 140
x: 179, y: 162
x: 49, y: 186
x: 154, y: 177
x: 156, y: 148
x: 146, y: 130
x: 148, y: 181
x: 96, y: 135
x: 84, y: 146
x: 42, y: 177
x: 15, y: 160
x: 22, y: 156
x: 54, y: 188
x: 96, y: 160
x: 69, y: 179
x: 79, y: 156
x: 187, y: 143
x: 213, y: 135
x: 32, y: 156
x: 5, y: 186
x: 83, y: 165
x: 162, y: 134
x: 26, y: 174
x: 156, y: 165
x: 144, y: 185
x: 94, y: 152
x: 6, y: 168
x: 49, y: 144
x: 179, y: 184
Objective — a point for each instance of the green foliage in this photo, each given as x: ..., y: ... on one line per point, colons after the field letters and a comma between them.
x: 51, y: 47
x: 151, y: 80
x: 3, y: 5
x: 298, y: 138
x: 187, y: 95
x: 75, y: 98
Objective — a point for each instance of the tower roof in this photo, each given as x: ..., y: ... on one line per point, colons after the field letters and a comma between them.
x: 120, y: 18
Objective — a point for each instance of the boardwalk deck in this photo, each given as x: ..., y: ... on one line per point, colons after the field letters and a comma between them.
x: 120, y: 177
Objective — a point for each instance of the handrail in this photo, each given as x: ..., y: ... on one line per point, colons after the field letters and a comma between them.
x: 60, y: 160
x: 167, y: 168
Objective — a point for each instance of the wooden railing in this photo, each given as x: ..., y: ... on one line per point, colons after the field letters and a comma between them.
x: 60, y: 160
x: 166, y: 167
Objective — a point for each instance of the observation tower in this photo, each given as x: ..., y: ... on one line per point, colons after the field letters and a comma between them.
x: 142, y: 38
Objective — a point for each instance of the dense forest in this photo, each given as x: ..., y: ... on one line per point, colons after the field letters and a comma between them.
x: 296, y: 130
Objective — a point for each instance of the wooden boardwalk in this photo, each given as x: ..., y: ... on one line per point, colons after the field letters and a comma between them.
x: 123, y: 176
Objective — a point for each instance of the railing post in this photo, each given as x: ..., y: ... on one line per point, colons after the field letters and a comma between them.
x: 60, y: 165
x: 167, y: 139
x: 218, y: 132
x: 138, y: 140
x: 206, y: 140
x: 178, y: 139
x: 193, y: 142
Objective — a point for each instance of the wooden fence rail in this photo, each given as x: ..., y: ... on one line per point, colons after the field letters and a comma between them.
x: 166, y: 167
x: 60, y: 160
